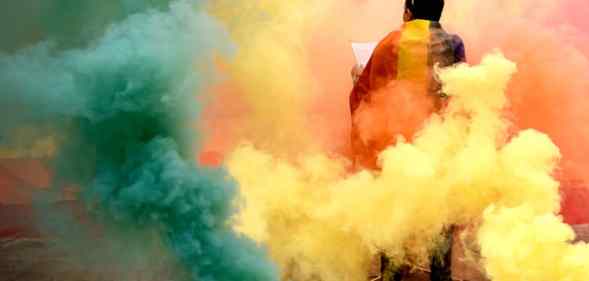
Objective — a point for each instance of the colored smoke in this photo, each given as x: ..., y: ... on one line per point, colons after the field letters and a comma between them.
x: 119, y: 109
x: 547, y: 93
x: 460, y: 166
x: 108, y: 95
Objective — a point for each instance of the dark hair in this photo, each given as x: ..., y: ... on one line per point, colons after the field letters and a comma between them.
x: 425, y: 9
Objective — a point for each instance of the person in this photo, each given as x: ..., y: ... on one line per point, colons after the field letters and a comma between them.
x: 409, y: 54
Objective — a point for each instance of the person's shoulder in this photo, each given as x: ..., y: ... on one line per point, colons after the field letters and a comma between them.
x: 456, y: 39
x: 389, y: 41
x: 459, y: 49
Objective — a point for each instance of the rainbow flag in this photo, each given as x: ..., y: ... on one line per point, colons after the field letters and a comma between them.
x: 409, y: 54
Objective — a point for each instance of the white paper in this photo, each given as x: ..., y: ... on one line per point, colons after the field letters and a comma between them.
x: 363, y: 51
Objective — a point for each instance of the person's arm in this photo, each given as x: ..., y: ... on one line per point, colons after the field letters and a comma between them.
x: 361, y: 86
x: 356, y: 72
x: 379, y: 71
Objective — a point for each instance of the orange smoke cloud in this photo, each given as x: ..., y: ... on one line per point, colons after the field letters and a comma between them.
x: 547, y: 39
x: 548, y: 92
x: 399, y: 110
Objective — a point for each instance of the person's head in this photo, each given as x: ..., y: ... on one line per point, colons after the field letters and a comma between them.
x: 423, y: 9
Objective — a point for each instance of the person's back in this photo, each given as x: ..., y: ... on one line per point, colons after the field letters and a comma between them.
x: 405, y: 57
x: 409, y: 55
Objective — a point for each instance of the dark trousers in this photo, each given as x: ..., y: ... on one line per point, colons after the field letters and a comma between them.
x: 440, y: 263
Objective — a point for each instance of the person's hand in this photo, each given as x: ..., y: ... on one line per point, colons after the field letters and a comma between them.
x: 356, y: 72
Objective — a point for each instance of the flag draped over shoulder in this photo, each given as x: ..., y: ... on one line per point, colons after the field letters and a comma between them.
x: 398, y: 89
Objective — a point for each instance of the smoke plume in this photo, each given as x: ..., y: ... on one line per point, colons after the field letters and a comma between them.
x: 119, y: 109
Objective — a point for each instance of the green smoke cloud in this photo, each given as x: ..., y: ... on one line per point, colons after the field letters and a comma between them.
x: 121, y: 106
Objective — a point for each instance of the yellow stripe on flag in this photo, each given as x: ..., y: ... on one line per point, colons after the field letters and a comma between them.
x: 413, y: 51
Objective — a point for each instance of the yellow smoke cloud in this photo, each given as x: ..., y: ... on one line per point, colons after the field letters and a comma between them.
x: 271, y: 68
x: 319, y: 221
x: 281, y: 210
x: 522, y: 244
